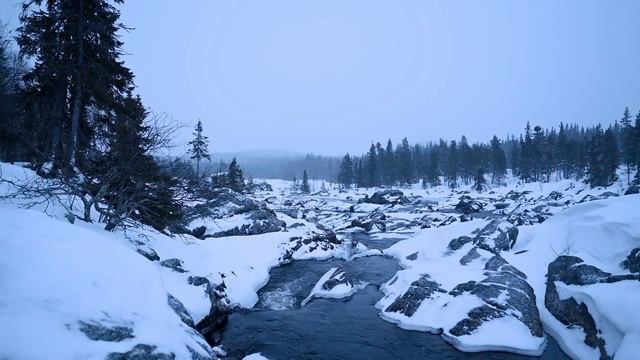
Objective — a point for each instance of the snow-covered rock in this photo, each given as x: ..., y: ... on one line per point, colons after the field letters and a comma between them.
x: 334, y: 284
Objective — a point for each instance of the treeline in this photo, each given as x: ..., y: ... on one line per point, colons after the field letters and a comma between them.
x: 591, y: 154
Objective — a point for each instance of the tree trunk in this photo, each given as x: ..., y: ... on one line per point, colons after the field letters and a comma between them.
x: 77, y: 91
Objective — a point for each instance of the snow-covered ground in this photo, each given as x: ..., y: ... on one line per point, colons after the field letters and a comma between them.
x: 474, y: 268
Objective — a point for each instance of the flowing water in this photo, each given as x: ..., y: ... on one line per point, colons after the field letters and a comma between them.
x: 336, y: 329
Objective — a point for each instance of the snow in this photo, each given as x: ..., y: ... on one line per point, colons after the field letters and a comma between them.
x: 54, y: 274
x: 339, y: 291
x: 602, y: 233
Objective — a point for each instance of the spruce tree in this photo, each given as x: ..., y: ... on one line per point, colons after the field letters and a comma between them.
x: 433, y: 169
x: 78, y: 73
x: 199, y: 148
x: 235, y: 180
x: 498, y: 162
x: 305, y: 188
x: 479, y: 182
x: 628, y: 143
x: 372, y: 169
x: 389, y: 164
x: 345, y: 174
x: 452, y: 165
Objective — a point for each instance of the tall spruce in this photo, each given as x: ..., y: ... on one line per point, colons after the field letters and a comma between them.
x: 78, y: 73
x: 498, y: 162
x: 199, y: 148
x: 305, y: 188
x: 345, y: 174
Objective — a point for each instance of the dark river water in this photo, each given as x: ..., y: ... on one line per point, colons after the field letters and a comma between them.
x: 349, y: 328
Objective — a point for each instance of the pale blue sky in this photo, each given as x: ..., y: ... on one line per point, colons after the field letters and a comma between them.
x: 330, y: 76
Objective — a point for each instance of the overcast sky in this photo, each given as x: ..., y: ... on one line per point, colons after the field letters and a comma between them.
x: 330, y: 76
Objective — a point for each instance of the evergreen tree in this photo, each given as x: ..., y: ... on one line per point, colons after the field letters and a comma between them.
x: 498, y: 162
x: 452, y: 165
x: 372, y: 168
x: 77, y: 75
x: 403, y: 162
x: 305, y: 188
x: 389, y: 165
x: 432, y: 176
x: 603, y: 158
x: 479, y: 182
x: 345, y: 174
x: 628, y: 143
x: 199, y: 148
x: 132, y: 183
x: 235, y: 180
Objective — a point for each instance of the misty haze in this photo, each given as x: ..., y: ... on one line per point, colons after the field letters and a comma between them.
x: 319, y: 179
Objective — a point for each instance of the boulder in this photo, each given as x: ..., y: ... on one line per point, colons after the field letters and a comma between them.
x: 173, y: 264
x: 177, y: 306
x: 505, y: 293
x: 633, y: 189
x: 212, y: 325
x: 467, y: 205
x: 386, y: 197
x: 141, y: 352
x: 572, y: 270
x: 263, y: 221
x: 633, y: 261
x: 419, y: 290
x: 99, y: 332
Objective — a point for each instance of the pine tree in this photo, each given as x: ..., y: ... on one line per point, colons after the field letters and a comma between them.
x: 199, y: 148
x: 305, y: 188
x: 235, y: 180
x: 636, y: 146
x: 345, y: 174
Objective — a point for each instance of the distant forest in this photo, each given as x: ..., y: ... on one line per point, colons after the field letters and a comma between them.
x: 592, y: 154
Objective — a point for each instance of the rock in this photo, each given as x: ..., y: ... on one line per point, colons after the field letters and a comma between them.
x: 199, y: 231
x: 212, y: 325
x: 568, y: 311
x: 412, y: 257
x: 633, y: 261
x: 470, y: 256
x: 465, y: 218
x: 264, y: 221
x: 141, y: 352
x: 467, y: 205
x: 99, y: 332
x: 374, y: 219
x: 496, y: 236
x: 198, y: 280
x: 572, y: 270
x: 459, y: 242
x: 339, y: 277
x: 506, y: 293
x: 148, y: 252
x: 173, y: 264
x: 180, y: 310
x: 387, y: 197
x: 604, y: 195
x: 419, y: 290
x: 447, y: 221
x: 633, y: 189
x: 462, y: 288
